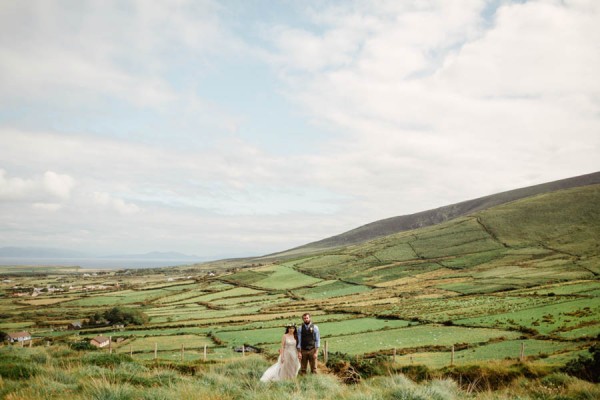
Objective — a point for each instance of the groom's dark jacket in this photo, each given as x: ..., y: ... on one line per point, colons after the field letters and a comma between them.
x: 308, y: 337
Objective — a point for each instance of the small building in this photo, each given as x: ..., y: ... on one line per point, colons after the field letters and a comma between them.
x: 19, y: 337
x: 75, y: 325
x: 247, y: 349
x: 100, y: 341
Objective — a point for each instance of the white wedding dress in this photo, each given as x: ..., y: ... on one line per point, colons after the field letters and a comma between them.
x: 287, y: 365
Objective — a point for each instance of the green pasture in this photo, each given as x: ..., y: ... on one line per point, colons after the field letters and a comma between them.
x: 508, y: 349
x: 464, y: 236
x: 331, y: 288
x: 469, y: 260
x: 6, y: 326
x: 545, y: 319
x: 444, y: 309
x: 281, y: 323
x: 184, y: 315
x: 381, y: 274
x: 121, y: 297
x: 478, y: 286
x: 345, y: 327
x: 238, y: 311
x: 284, y: 277
x: 573, y: 227
x: 412, y: 337
x: 268, y: 299
x: 587, y: 288
x: 591, y: 330
x: 396, y: 252
x: 180, y: 297
x: 325, y: 265
x: 557, y: 270
x: 212, y: 354
x: 163, y: 343
x: 176, y: 285
x: 234, y: 292
x: 149, y: 332
x: 591, y: 263
x: 247, y: 277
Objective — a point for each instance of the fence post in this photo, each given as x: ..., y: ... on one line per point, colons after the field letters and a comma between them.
x: 522, y: 356
x: 394, y: 356
x: 155, y: 350
x: 204, y: 352
x: 452, y: 357
x: 325, y: 352
x: 130, y: 350
x: 110, y: 345
x: 243, y: 350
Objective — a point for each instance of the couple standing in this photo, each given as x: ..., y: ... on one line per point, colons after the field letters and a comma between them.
x: 298, y: 349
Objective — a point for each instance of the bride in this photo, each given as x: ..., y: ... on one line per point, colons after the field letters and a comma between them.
x: 287, y: 364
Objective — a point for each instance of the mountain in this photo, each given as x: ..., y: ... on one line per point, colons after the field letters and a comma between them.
x: 538, y: 240
x: 422, y: 219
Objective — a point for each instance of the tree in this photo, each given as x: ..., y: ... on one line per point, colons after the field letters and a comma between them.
x: 118, y: 315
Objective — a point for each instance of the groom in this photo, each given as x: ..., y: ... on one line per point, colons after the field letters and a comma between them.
x: 309, y: 340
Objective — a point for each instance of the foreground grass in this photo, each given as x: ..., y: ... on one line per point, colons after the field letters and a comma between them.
x: 38, y: 373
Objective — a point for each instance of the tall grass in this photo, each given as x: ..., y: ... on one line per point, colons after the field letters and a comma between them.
x: 78, y: 376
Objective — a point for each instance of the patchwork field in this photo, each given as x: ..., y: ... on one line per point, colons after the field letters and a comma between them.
x: 486, y: 283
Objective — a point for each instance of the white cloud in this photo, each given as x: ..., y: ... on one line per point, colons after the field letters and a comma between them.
x: 50, y: 185
x: 52, y: 207
x: 77, y: 54
x: 420, y: 104
x: 440, y: 104
x: 117, y: 204
x: 58, y: 185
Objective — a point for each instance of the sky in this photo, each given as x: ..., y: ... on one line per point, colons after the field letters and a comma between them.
x: 245, y: 127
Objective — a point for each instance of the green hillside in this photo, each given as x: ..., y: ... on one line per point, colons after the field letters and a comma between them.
x: 436, y: 216
x: 516, y: 283
x: 542, y: 239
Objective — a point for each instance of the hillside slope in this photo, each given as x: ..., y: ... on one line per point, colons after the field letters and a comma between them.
x: 432, y: 217
x: 545, y: 238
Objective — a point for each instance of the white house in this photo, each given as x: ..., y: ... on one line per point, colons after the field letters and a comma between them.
x: 100, y: 341
x: 19, y: 337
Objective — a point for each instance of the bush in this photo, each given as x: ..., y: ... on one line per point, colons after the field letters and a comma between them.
x: 346, y: 366
x: 587, y: 368
x: 83, y: 345
x: 491, y: 376
x: 417, y: 373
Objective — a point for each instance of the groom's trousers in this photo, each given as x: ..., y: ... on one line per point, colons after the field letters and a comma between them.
x: 308, y: 356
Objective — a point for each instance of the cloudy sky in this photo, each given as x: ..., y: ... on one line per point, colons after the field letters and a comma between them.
x: 229, y: 128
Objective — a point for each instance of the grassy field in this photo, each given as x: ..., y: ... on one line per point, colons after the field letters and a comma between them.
x: 526, y: 272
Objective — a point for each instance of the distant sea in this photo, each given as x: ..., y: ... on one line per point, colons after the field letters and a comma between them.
x: 95, y: 263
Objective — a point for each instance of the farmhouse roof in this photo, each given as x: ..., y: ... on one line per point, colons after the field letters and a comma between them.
x: 17, y: 335
x: 100, y: 339
x: 76, y: 324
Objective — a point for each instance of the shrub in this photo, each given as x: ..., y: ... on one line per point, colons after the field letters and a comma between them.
x: 417, y: 372
x: 345, y: 366
x: 83, y: 345
x: 587, y: 368
x: 556, y: 380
